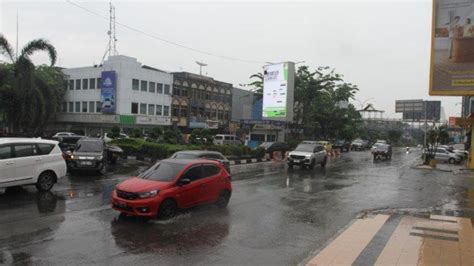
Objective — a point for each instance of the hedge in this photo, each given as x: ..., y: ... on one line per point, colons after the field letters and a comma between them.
x: 142, y: 148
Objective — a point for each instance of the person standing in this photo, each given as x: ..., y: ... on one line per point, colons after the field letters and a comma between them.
x: 452, y: 33
x: 468, y: 29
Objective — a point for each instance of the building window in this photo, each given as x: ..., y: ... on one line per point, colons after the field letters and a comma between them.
x: 84, y: 107
x: 70, y: 107
x: 64, y: 107
x: 135, y: 84
x: 167, y: 89
x: 85, y: 84
x: 92, y: 84
x: 91, y: 107
x: 194, y: 111
x: 143, y: 108
x: 159, y: 110
x: 71, y: 84
x: 175, y: 110
x: 152, y: 87
x: 159, y: 88
x: 78, y: 84
x: 98, y: 107
x: 208, y: 114
x: 220, y: 115
x: 144, y: 85
x: 99, y: 83
x: 151, y: 109
x: 226, y: 115
x: 184, y: 112
x: 77, y: 107
x: 176, y: 91
x: 134, y: 108
x: 184, y: 92
x: 213, y: 114
x: 166, y: 110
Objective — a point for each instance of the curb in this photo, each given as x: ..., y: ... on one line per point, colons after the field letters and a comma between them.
x: 235, y: 162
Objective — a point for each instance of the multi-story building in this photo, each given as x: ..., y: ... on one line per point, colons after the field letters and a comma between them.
x: 201, y: 102
x: 131, y: 96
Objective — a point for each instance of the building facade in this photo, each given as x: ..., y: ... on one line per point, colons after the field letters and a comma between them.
x: 201, y: 102
x: 141, y: 97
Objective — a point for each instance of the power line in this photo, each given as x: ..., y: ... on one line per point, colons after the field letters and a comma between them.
x: 165, y: 40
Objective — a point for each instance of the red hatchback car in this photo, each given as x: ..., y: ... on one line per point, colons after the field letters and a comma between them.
x: 173, y: 184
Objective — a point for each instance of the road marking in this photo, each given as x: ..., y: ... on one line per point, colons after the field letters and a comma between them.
x: 345, y: 249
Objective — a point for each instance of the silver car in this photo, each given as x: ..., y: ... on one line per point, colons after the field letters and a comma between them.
x: 444, y: 156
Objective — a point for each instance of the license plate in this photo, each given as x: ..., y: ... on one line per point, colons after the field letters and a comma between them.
x: 296, y: 161
x: 86, y: 163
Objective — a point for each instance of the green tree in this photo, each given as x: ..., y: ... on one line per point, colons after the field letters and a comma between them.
x: 30, y: 95
x: 115, y: 131
x: 394, y: 136
x: 137, y: 133
x: 257, y: 84
x: 156, y: 132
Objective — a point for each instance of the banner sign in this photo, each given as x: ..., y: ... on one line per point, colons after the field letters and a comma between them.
x: 108, y: 91
x: 452, y: 48
x: 278, y: 86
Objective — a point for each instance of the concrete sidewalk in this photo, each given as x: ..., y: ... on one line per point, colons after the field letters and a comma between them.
x: 401, y: 240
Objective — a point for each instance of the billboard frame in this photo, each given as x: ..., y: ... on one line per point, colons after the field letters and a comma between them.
x: 443, y: 92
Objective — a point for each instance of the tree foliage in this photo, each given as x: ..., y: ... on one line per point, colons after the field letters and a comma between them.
x: 29, y: 95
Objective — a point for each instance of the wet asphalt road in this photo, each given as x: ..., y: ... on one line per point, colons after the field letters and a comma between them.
x: 276, y: 216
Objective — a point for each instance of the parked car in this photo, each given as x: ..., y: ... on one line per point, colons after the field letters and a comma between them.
x: 342, y: 145
x: 444, y: 156
x: 210, y: 155
x: 382, y: 151
x: 308, y: 155
x: 462, y: 153
x: 173, y: 184
x: 30, y: 161
x: 89, y: 154
x: 221, y: 139
x: 62, y: 134
x: 271, y: 147
x: 67, y: 143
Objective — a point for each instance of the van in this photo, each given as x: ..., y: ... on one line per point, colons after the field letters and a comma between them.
x: 30, y: 161
x: 221, y: 139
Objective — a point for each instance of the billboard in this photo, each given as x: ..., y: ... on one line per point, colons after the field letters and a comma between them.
x: 452, y: 48
x: 278, y: 89
x: 108, y: 91
x: 417, y: 110
x: 402, y: 106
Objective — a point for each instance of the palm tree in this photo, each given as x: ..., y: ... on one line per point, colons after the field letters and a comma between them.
x: 257, y: 84
x: 29, y: 96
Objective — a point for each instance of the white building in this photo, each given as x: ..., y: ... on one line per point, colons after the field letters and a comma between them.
x: 142, y: 97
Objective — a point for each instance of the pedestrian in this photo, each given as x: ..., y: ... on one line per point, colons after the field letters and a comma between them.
x: 452, y: 33
x: 468, y: 29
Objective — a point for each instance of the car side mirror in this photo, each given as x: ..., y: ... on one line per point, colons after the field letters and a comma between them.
x: 184, y: 181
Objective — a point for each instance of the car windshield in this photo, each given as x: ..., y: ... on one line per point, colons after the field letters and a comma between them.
x: 90, y: 146
x: 163, y: 171
x: 266, y: 144
x: 183, y: 155
x: 305, y: 148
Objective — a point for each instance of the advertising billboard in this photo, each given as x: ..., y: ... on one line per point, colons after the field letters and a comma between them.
x: 278, y: 89
x: 108, y: 91
x: 452, y: 48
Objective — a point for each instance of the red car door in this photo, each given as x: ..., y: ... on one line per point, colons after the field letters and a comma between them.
x: 211, y: 183
x: 189, y: 194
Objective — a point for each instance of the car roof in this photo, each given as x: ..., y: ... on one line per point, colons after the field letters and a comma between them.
x: 26, y: 140
x: 197, y: 152
x: 185, y: 162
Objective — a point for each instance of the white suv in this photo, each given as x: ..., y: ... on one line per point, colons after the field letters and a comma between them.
x: 25, y: 161
x: 308, y: 155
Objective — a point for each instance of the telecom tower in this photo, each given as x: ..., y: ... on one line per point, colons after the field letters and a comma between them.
x: 112, y: 45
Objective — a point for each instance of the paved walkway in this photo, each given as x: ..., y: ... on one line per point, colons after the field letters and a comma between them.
x: 402, y: 240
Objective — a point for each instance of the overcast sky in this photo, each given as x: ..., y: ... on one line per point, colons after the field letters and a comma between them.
x: 382, y: 46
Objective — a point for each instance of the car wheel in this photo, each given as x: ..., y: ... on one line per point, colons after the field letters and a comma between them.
x: 167, y: 209
x: 223, y: 199
x: 103, y: 169
x: 45, y: 181
x: 311, y: 166
x: 323, y: 163
x: 451, y: 161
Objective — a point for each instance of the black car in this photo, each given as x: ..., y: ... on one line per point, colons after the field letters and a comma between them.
x: 271, y: 147
x: 197, y: 154
x: 67, y: 143
x: 342, y: 145
x: 382, y: 151
x: 89, y: 154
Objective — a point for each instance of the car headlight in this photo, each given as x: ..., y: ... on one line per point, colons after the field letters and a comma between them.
x: 99, y: 157
x: 308, y: 156
x: 148, y: 194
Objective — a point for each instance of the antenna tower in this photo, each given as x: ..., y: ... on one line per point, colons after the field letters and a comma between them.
x: 112, y: 44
